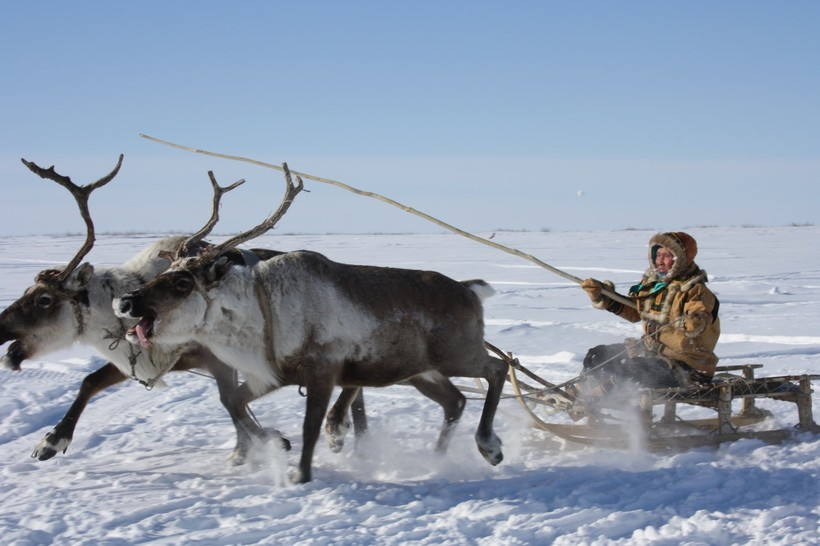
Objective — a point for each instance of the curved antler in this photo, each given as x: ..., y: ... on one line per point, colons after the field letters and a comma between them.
x: 291, y: 191
x: 81, y: 195
x: 186, y: 245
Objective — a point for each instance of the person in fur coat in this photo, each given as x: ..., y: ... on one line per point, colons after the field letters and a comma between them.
x: 680, y: 323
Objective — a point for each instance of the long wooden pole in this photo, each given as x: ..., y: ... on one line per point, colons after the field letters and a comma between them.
x: 613, y: 295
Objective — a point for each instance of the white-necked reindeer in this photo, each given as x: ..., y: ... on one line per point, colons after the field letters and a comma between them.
x: 300, y: 318
x: 74, y: 304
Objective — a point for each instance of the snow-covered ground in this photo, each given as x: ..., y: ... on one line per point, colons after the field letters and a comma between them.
x: 151, y: 467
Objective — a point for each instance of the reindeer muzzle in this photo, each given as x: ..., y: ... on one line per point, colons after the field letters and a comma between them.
x: 15, y: 356
x: 129, y: 307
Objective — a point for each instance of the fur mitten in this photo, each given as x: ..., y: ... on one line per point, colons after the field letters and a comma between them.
x: 593, y: 289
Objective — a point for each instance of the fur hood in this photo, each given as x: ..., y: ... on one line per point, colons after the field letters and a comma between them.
x: 682, y: 246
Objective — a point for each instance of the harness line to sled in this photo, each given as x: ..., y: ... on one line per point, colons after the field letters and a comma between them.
x: 549, y: 387
x: 609, y: 293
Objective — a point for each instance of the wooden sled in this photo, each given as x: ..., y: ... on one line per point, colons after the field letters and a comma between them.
x: 641, y: 428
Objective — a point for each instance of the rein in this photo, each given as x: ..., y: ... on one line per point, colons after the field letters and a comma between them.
x: 610, y: 293
x: 133, y: 356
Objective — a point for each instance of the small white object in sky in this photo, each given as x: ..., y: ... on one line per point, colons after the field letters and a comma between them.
x: 581, y: 193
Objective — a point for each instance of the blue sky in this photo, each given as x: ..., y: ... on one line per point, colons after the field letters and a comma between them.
x: 489, y: 115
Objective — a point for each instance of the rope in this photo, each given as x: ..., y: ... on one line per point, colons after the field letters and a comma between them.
x: 133, y: 356
x: 549, y: 387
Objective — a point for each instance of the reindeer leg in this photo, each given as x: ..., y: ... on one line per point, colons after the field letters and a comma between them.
x: 235, y: 399
x: 318, y: 398
x: 439, y: 389
x: 338, y: 423
x: 59, y: 438
x: 489, y: 444
x: 359, y: 415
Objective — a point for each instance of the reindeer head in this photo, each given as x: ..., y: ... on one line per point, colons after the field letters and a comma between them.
x: 49, y: 315
x: 170, y: 306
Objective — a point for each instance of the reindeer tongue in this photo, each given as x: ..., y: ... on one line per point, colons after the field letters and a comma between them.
x: 142, y: 330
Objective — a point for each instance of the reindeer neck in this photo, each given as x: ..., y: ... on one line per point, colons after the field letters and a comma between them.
x: 233, y: 323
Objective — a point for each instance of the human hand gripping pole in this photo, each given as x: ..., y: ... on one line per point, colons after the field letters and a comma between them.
x: 599, y: 292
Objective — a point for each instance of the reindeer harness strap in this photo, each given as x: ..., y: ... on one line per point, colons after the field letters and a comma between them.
x: 263, y: 298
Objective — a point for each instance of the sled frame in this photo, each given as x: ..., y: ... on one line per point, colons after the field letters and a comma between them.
x: 670, y: 432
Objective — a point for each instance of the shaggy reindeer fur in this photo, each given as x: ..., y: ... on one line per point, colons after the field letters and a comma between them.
x: 53, y: 315
x: 300, y: 318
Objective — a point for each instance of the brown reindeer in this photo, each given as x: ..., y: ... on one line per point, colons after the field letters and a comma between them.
x: 300, y: 318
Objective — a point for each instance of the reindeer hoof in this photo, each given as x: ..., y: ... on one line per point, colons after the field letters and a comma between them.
x: 491, y: 449
x: 274, y: 434
x: 336, y: 432
x: 335, y: 444
x: 493, y: 457
x: 49, y: 446
x: 43, y: 454
x: 239, y: 455
x: 297, y: 477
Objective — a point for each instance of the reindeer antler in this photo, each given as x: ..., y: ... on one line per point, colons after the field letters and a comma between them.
x: 81, y: 195
x: 291, y: 191
x: 186, y: 245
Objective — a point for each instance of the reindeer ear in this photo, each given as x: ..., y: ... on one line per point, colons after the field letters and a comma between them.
x: 80, y: 277
x: 218, y: 269
x: 84, y: 273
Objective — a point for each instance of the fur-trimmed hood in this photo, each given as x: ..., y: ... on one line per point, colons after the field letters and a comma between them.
x: 682, y: 246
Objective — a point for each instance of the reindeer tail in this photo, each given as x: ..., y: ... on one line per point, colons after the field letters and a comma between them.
x: 481, y: 288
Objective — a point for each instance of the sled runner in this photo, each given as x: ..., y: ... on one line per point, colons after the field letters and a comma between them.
x: 633, y: 422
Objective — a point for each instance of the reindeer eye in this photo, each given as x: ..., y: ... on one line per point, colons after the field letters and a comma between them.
x: 183, y: 284
x: 45, y: 300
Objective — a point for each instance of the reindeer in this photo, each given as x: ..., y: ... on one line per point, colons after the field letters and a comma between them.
x: 300, y: 318
x: 74, y: 304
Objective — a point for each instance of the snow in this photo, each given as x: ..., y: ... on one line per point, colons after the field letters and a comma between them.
x: 151, y: 467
